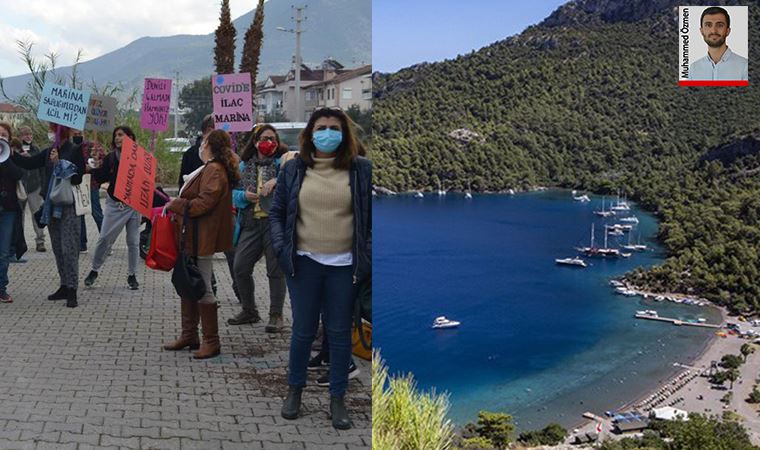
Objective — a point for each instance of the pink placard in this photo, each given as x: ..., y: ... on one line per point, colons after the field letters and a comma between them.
x: 233, y: 105
x: 155, y: 106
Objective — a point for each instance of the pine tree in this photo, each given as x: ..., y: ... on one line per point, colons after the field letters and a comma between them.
x: 224, y: 52
x: 252, y: 45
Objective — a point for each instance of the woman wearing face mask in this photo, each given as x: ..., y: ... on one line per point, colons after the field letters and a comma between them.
x: 62, y: 160
x: 252, y: 238
x: 207, y: 193
x: 116, y: 215
x: 321, y: 225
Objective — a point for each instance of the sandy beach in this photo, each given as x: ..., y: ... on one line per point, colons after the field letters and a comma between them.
x: 691, y: 391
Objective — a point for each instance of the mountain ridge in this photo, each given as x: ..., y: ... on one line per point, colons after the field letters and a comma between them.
x: 327, y: 35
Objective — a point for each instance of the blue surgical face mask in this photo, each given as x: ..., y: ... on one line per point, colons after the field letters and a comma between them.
x: 327, y: 141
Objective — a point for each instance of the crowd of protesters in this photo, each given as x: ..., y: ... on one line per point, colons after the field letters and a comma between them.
x: 306, y: 213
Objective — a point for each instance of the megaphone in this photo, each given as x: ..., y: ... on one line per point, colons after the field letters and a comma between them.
x: 5, y: 150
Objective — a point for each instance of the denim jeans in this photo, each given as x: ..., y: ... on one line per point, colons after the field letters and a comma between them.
x: 7, y: 219
x: 329, y: 290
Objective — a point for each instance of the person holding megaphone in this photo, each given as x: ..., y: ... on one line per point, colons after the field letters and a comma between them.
x: 10, y: 175
x: 64, y: 167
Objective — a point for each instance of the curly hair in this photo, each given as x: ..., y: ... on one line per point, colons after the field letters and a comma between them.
x: 220, y: 144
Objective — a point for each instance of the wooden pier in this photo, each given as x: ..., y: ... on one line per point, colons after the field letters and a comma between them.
x: 677, y: 322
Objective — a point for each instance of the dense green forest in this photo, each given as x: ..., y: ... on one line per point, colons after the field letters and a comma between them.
x: 589, y: 100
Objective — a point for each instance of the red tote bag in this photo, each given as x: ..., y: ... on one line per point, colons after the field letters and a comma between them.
x: 163, y: 247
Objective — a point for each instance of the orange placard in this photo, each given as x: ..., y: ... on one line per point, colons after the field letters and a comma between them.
x: 136, y: 180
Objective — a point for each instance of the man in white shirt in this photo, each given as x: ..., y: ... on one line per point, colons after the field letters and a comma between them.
x: 720, y: 63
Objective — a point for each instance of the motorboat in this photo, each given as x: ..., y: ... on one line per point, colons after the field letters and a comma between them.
x: 571, y: 262
x: 647, y: 312
x: 443, y: 322
x: 583, y: 198
x: 467, y: 195
x: 418, y: 195
x: 632, y: 219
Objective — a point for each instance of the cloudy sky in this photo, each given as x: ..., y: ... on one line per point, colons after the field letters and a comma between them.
x: 99, y: 26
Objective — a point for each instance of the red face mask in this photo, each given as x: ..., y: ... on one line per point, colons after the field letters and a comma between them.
x: 267, y: 148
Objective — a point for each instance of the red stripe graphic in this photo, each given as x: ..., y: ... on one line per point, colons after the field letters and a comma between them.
x: 713, y: 83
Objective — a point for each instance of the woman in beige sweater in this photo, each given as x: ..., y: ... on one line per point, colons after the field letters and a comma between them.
x: 321, y: 232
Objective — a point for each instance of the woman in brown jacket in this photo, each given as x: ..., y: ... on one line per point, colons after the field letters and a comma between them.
x: 208, y: 194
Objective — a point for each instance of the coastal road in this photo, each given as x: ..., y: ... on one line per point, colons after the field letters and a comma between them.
x: 96, y: 377
x: 749, y: 372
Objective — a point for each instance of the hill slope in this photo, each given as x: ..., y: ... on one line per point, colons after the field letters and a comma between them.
x: 588, y: 99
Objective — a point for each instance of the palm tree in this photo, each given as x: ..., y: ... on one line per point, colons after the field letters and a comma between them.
x: 746, y: 350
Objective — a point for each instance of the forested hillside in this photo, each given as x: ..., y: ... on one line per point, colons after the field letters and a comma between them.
x: 589, y: 100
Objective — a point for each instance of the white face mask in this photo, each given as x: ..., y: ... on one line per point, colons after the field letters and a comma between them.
x: 51, y: 136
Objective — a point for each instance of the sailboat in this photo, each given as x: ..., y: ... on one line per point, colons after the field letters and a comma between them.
x: 605, y: 252
x: 441, y: 192
x: 620, y: 206
x: 635, y: 247
x: 467, y: 193
x: 604, y: 213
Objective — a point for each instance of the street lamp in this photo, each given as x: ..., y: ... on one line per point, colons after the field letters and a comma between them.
x: 297, y: 32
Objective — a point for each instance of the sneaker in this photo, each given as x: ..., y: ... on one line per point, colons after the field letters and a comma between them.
x: 91, y: 277
x: 41, y: 248
x: 83, y: 250
x: 318, y: 362
x: 132, y: 282
x: 5, y: 298
x: 353, y: 372
x: 244, y: 317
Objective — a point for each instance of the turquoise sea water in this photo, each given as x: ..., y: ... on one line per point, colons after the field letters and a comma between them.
x: 542, y: 342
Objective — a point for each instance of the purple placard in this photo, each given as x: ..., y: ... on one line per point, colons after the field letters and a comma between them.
x: 155, y: 106
x: 233, y: 104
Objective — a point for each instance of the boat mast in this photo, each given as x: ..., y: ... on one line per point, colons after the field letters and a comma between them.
x: 592, y: 235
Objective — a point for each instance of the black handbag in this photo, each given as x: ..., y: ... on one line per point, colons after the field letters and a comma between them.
x: 186, y: 276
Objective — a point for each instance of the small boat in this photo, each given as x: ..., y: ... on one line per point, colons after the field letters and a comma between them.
x: 441, y: 192
x: 571, y: 261
x: 632, y: 219
x: 616, y: 283
x: 467, y: 195
x: 418, y: 195
x: 647, y: 312
x: 615, y: 232
x: 620, y: 206
x: 583, y: 198
x: 635, y: 247
x: 443, y: 322
x: 511, y: 192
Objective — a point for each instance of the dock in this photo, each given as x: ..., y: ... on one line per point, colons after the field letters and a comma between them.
x: 677, y: 322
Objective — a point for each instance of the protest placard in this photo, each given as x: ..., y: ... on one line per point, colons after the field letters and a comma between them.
x: 136, y: 179
x: 101, y: 113
x: 154, y: 114
x: 63, y: 105
x: 233, y: 103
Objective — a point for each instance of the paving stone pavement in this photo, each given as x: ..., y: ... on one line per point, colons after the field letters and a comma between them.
x: 95, y: 377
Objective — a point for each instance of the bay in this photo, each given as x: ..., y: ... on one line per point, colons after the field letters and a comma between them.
x: 542, y: 342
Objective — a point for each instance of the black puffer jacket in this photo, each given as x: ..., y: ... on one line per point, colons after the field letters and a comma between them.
x: 284, y: 211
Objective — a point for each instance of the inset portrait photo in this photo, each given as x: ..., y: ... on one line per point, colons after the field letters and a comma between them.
x: 713, y: 46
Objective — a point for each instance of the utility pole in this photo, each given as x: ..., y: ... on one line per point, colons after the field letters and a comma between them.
x: 299, y: 18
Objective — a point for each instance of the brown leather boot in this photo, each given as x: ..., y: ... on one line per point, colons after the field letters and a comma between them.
x: 210, y: 327
x: 189, y: 336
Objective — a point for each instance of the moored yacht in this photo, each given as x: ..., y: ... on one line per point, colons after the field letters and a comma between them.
x: 443, y: 322
x: 571, y: 261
